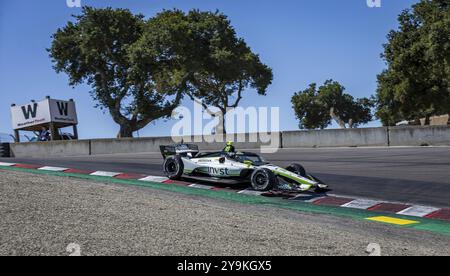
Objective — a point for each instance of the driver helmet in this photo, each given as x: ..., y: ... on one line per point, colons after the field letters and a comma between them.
x: 229, y: 143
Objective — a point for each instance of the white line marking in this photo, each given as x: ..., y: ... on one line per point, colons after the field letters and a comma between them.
x: 107, y: 174
x: 376, y: 199
x: 250, y: 192
x: 158, y: 179
x: 361, y: 204
x: 7, y: 164
x: 307, y: 197
x: 53, y: 169
x: 199, y: 186
x: 418, y: 211
x: 315, y: 199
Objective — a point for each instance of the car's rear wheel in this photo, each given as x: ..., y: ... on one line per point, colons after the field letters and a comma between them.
x: 297, y: 169
x: 263, y: 180
x: 173, y: 167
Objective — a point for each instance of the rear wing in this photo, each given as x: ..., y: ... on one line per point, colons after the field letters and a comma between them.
x: 181, y: 149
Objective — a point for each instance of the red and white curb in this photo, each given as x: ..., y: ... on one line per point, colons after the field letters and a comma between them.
x: 105, y: 174
x: 317, y: 199
x: 385, y: 207
x: 7, y: 164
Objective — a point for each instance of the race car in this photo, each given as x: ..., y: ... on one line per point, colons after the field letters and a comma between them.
x: 185, y: 160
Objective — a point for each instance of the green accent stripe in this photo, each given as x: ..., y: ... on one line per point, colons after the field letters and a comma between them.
x: 425, y: 224
x: 294, y: 178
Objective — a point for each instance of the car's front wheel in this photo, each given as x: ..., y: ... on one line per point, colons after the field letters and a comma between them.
x: 264, y: 180
x: 173, y: 167
x: 297, y: 169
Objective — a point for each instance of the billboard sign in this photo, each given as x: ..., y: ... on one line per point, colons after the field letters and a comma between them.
x: 43, y: 112
x: 63, y: 112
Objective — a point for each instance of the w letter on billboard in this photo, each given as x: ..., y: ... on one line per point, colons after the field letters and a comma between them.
x: 63, y: 108
x: 29, y: 111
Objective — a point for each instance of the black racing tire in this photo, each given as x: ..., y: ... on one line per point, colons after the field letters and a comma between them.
x: 4, y: 150
x: 298, y: 169
x: 263, y: 180
x: 173, y: 167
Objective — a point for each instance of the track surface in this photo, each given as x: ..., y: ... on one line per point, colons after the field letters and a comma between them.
x: 410, y: 175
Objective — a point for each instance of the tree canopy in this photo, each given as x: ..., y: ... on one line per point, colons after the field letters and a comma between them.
x: 96, y: 49
x: 416, y: 83
x: 140, y: 69
x: 316, y: 108
x: 227, y: 67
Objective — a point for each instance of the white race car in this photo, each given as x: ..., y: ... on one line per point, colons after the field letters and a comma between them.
x: 184, y: 160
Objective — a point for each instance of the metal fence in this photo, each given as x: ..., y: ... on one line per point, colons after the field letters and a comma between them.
x: 9, y: 138
x: 6, y: 138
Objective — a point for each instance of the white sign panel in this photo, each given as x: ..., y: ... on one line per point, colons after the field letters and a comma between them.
x: 31, y: 114
x: 63, y: 112
x: 43, y: 112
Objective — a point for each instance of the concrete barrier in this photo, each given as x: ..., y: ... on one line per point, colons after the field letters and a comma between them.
x: 128, y: 145
x: 420, y: 136
x: 205, y: 143
x: 360, y: 137
x: 242, y: 141
x: 139, y: 145
x: 51, y: 149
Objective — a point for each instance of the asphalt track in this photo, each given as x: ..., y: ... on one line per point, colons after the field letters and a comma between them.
x: 408, y: 175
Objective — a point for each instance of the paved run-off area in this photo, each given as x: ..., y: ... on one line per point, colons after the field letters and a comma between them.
x: 43, y: 214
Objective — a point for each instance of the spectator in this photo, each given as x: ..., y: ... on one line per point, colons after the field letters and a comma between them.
x: 44, y: 135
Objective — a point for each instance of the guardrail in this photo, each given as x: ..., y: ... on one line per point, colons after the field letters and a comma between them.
x: 363, y: 137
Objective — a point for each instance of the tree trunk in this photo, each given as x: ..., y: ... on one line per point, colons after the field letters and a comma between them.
x: 350, y: 123
x: 427, y: 120
x: 126, y: 131
x: 337, y: 118
x: 220, y: 128
x: 417, y: 121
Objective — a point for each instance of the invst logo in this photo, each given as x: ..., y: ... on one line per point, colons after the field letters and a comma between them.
x: 217, y: 171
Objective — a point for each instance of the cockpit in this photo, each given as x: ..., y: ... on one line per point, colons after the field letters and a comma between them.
x: 254, y: 159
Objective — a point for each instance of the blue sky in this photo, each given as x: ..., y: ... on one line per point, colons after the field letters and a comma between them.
x: 303, y: 41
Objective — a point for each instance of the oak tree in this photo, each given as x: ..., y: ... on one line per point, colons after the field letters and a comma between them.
x: 316, y: 108
x: 416, y: 83
x: 97, y: 49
